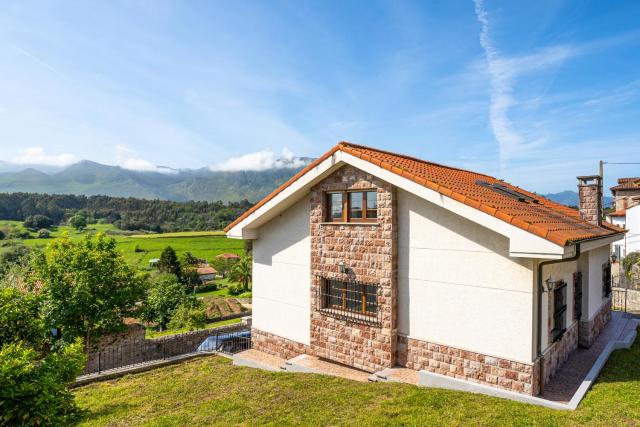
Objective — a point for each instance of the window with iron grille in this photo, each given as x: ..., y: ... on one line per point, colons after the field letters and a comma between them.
x: 577, y: 295
x: 606, y: 280
x: 352, y: 206
x: 559, y: 310
x: 352, y: 300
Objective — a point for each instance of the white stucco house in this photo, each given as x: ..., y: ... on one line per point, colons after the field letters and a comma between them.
x: 374, y: 259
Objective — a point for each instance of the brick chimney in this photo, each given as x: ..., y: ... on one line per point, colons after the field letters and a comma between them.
x: 590, y: 195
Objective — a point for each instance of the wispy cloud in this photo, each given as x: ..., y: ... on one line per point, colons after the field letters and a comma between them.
x: 37, y: 156
x: 260, y: 160
x: 503, y: 73
x: 127, y: 159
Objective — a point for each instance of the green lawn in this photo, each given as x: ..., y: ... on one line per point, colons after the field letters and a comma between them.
x: 152, y: 333
x: 210, y: 391
x: 223, y: 291
x: 204, y: 245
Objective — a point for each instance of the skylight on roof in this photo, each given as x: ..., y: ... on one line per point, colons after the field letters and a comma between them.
x: 507, y: 191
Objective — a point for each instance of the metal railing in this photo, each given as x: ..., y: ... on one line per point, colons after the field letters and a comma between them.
x: 228, y: 340
x: 349, y: 300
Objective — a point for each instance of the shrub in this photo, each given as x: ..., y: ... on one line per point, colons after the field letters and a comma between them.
x: 236, y: 289
x: 34, y: 222
x: 43, y: 233
x: 164, y: 297
x: 189, y: 317
x: 34, y: 389
x: 78, y: 221
x: 137, y: 248
x: 630, y: 260
x: 2, y: 235
x: 20, y: 319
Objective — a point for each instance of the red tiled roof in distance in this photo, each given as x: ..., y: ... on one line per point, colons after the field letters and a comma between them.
x: 627, y: 184
x: 550, y: 220
x: 617, y: 213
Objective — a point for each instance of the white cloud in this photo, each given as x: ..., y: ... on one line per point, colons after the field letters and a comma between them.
x: 503, y: 72
x: 126, y: 159
x: 260, y: 160
x: 37, y: 156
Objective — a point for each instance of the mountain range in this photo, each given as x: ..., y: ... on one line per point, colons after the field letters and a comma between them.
x: 91, y: 178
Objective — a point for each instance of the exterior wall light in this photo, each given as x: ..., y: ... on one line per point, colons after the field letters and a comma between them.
x: 342, y: 267
x: 550, y: 284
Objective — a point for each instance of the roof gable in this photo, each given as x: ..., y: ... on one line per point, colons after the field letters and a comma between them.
x: 542, y: 217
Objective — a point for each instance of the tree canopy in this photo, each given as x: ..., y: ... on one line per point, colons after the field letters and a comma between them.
x: 87, y: 286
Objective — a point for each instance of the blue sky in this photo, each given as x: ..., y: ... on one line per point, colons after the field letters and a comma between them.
x: 533, y: 92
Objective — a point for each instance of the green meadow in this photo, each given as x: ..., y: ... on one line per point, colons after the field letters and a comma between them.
x: 139, y: 249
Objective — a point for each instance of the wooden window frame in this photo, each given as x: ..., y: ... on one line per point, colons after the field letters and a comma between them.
x: 559, y: 311
x: 606, y: 279
x: 346, y: 206
x: 366, y: 309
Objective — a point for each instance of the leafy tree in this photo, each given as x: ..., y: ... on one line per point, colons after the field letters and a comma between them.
x: 20, y: 319
x: 43, y: 233
x: 223, y: 265
x: 169, y: 262
x: 189, y: 259
x: 17, y: 255
x: 79, y: 222
x: 164, y: 297
x: 241, y: 272
x: 35, y: 222
x: 87, y: 286
x: 189, y: 317
x: 190, y: 278
x: 34, y: 389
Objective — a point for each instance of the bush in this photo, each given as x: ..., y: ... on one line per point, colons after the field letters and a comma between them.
x: 629, y: 261
x: 137, y: 248
x: 189, y: 317
x: 34, y: 389
x: 2, y: 235
x: 236, y: 289
x: 35, y: 222
x: 43, y: 233
x: 207, y: 287
x: 164, y: 297
x: 78, y: 221
x: 20, y: 319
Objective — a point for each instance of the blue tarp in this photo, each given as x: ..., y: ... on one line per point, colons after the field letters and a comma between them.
x: 215, y: 342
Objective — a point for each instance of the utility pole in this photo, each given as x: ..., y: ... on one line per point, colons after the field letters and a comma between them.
x: 601, y: 169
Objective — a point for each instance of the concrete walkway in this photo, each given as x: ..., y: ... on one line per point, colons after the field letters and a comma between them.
x: 568, y: 379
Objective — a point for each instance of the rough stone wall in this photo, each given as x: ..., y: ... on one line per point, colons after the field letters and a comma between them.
x: 131, y: 347
x: 590, y: 329
x: 560, y: 351
x: 277, y: 345
x: 466, y: 365
x: 369, y: 252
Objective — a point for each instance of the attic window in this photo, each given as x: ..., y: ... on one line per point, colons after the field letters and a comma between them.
x: 507, y: 191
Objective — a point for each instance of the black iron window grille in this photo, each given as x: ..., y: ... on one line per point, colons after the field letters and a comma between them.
x: 349, y: 300
x: 606, y: 279
x: 577, y: 295
x: 559, y: 310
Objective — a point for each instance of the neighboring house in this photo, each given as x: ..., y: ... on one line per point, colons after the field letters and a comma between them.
x: 627, y: 196
x: 373, y: 259
x: 229, y: 257
x: 206, y: 273
x: 626, y: 193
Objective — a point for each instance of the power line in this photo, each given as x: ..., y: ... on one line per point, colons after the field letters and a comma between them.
x: 621, y: 163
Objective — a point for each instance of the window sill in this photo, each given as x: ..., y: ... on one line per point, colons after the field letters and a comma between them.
x: 370, y: 224
x: 351, y: 316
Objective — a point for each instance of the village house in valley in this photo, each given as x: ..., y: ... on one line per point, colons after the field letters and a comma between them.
x: 626, y: 214
x: 373, y: 259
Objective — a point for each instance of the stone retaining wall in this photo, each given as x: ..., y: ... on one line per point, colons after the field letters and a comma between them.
x: 467, y: 365
x: 131, y: 347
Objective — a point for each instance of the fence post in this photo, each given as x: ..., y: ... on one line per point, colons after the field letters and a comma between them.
x: 99, y: 361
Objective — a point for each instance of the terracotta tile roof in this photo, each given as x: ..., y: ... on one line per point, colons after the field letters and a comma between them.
x: 229, y: 256
x: 202, y: 271
x: 627, y: 184
x: 617, y: 213
x: 545, y: 218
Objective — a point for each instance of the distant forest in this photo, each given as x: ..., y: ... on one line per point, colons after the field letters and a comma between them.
x: 125, y: 213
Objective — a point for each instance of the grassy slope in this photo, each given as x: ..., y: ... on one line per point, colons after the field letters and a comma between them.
x: 201, y: 244
x: 151, y: 333
x: 210, y: 391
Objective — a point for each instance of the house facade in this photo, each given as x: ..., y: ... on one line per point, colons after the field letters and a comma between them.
x: 627, y: 199
x: 373, y: 260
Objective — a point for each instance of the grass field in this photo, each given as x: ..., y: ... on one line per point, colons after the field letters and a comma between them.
x: 210, y: 391
x: 204, y: 245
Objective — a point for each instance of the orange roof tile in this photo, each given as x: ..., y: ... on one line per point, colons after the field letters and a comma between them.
x: 547, y: 219
x: 618, y: 213
x: 627, y: 184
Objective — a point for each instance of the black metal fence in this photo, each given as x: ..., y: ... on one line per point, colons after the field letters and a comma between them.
x: 228, y: 340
